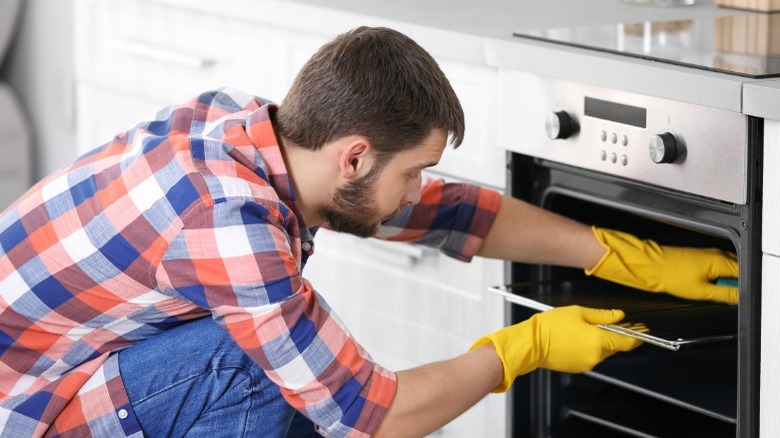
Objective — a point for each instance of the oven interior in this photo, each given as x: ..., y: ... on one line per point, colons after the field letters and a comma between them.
x: 703, y: 389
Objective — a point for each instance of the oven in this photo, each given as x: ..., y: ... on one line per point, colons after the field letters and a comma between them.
x: 677, y: 173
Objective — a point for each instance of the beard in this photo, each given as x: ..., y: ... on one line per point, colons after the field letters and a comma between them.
x: 353, y: 208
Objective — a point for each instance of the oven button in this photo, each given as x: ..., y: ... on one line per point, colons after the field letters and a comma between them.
x: 623, y: 160
x: 624, y: 140
x: 603, y: 155
x: 613, y: 138
x: 613, y: 157
x: 603, y: 135
x: 663, y: 148
x: 560, y: 124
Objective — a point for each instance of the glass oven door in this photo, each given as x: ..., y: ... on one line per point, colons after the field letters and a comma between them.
x: 704, y: 388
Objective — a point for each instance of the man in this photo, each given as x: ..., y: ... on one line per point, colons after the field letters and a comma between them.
x: 154, y: 286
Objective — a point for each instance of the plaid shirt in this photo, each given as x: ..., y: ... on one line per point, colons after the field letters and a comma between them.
x: 186, y: 215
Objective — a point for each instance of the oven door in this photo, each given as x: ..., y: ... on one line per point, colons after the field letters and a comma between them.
x: 705, y: 388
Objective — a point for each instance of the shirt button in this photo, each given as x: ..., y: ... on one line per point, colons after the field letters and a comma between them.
x: 306, y: 246
x: 122, y: 413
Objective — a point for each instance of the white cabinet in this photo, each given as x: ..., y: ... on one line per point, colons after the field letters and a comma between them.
x: 479, y: 158
x: 406, y: 305
x: 770, y: 279
x: 134, y: 57
x: 288, y: 52
x: 158, y: 51
x: 770, y: 349
x: 770, y: 232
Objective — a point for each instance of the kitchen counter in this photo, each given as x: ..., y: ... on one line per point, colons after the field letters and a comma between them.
x: 481, y: 33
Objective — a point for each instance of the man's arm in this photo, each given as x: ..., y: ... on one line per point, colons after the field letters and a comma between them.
x: 431, y: 395
x: 525, y: 233
x: 565, y: 339
x: 464, y: 220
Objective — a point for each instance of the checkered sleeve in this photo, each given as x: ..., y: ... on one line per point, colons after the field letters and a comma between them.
x: 239, y: 259
x: 452, y: 217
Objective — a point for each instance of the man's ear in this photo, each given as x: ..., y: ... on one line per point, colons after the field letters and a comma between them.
x: 356, y: 158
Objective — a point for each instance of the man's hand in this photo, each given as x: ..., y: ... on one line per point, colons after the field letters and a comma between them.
x: 563, y: 339
x: 683, y: 272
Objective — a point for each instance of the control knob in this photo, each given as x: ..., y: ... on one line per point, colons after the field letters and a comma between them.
x: 560, y: 124
x: 663, y: 148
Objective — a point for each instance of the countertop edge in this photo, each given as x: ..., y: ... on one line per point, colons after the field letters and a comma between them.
x: 762, y: 99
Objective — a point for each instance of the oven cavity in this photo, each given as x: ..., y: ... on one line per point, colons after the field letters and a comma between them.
x: 707, y: 387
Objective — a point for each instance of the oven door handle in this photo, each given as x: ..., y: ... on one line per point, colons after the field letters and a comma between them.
x: 626, y: 331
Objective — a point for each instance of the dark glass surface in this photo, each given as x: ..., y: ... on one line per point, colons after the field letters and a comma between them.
x: 616, y: 112
x: 735, y: 44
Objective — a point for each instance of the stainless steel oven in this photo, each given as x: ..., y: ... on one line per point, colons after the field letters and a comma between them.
x: 671, y: 171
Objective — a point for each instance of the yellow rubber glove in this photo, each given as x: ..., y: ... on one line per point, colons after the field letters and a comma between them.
x: 562, y: 339
x: 683, y: 272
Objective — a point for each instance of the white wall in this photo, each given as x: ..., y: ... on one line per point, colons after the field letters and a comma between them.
x: 39, y: 67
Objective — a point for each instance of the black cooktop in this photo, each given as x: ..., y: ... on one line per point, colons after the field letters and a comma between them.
x: 745, y: 45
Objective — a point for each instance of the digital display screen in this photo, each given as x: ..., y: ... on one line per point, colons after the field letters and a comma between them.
x: 616, y: 112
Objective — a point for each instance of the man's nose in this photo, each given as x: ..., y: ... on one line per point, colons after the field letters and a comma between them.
x: 413, y: 195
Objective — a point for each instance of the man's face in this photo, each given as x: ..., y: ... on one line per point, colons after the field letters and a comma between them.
x: 358, y: 207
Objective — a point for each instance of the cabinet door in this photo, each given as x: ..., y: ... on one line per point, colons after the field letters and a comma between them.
x: 770, y: 238
x: 770, y: 349
x: 409, y: 306
x: 770, y: 293
x: 289, y: 50
x: 479, y: 158
x: 171, y: 53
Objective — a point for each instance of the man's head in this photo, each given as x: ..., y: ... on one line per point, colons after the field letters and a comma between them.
x: 378, y: 98
x: 374, y: 82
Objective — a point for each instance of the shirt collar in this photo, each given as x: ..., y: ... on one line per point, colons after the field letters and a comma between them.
x: 261, y: 132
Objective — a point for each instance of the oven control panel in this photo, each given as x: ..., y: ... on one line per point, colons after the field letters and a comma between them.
x: 663, y: 142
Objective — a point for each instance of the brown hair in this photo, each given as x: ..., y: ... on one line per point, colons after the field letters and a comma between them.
x: 375, y: 82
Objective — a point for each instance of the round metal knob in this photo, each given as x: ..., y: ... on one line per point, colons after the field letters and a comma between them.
x: 559, y: 124
x: 663, y: 148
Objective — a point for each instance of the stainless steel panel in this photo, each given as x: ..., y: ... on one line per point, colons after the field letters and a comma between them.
x: 713, y: 162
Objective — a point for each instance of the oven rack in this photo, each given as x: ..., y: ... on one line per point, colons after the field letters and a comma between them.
x: 656, y: 318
